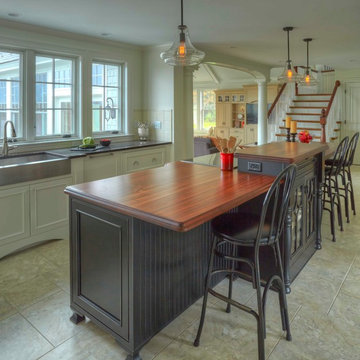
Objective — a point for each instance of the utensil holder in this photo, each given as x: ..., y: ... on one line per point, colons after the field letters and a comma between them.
x: 226, y: 161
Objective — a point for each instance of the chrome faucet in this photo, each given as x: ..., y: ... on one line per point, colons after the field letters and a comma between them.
x: 5, y: 147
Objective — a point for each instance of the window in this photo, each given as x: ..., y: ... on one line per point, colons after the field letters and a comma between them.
x: 10, y: 90
x: 54, y: 96
x: 106, y: 98
x: 204, y: 109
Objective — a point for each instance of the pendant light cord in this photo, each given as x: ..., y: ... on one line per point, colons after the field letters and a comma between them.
x: 182, y: 13
x: 288, y: 44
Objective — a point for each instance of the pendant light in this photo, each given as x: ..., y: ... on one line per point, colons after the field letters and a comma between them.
x: 182, y: 52
x: 289, y: 75
x: 308, y: 80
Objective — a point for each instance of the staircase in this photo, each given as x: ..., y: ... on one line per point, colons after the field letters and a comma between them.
x: 306, y: 110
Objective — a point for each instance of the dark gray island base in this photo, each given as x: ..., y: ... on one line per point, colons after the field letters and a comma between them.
x: 140, y: 243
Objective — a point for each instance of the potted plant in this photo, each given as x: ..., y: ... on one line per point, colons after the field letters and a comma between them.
x: 143, y: 130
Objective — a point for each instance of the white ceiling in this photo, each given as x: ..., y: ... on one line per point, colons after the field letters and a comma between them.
x: 250, y: 29
x: 220, y: 77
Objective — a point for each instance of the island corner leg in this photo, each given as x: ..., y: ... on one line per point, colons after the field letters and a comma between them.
x: 76, y: 318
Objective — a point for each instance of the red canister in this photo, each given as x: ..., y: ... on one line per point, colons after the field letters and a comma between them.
x: 226, y: 161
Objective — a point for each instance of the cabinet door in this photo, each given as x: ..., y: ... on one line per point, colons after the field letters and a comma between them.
x: 239, y: 134
x: 251, y: 134
x: 14, y: 217
x: 223, y: 115
x: 100, y: 166
x: 100, y: 265
x: 222, y: 132
x: 143, y: 159
x: 49, y: 205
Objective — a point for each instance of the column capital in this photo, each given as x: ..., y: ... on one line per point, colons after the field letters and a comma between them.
x: 261, y: 82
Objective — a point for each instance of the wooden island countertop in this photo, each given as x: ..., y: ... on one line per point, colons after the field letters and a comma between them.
x: 178, y: 196
x: 282, y: 151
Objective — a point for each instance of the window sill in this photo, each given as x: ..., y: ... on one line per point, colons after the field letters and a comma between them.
x: 61, y: 143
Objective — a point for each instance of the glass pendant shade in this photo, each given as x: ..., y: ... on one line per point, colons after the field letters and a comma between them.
x: 308, y: 80
x: 289, y: 75
x: 182, y: 52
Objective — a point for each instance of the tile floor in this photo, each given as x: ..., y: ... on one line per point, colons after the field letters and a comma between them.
x: 324, y: 310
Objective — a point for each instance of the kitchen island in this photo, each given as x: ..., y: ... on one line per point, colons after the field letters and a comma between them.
x: 140, y: 243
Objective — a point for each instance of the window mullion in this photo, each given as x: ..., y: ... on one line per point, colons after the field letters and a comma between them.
x: 29, y: 89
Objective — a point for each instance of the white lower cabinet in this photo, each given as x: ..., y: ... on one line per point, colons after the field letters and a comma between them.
x: 101, y: 166
x: 14, y: 214
x: 49, y: 205
x: 143, y: 159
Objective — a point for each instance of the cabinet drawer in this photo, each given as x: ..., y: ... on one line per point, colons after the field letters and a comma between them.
x: 222, y: 132
x: 237, y: 132
x: 140, y: 160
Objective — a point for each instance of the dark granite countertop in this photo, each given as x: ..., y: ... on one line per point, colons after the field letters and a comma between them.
x: 74, y: 152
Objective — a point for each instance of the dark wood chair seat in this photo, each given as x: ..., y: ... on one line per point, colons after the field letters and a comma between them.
x: 242, y: 229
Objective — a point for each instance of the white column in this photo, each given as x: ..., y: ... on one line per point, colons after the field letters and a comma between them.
x: 262, y: 112
x: 183, y: 113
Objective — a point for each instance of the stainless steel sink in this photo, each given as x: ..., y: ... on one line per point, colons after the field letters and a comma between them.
x: 28, y: 167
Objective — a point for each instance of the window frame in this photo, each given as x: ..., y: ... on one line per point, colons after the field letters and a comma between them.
x: 21, y: 82
x: 200, y: 109
x: 121, y: 100
x: 74, y: 96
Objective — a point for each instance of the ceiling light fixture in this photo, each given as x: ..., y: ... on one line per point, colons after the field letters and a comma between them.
x: 182, y: 52
x: 289, y: 75
x: 308, y: 79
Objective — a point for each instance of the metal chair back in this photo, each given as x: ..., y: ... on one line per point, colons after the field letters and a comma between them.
x: 350, y: 152
x: 275, y: 205
x: 338, y: 158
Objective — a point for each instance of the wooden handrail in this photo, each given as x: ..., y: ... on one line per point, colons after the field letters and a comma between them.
x: 325, y: 113
x: 316, y: 71
x: 276, y: 99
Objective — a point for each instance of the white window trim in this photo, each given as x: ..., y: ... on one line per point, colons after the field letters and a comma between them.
x: 199, y: 122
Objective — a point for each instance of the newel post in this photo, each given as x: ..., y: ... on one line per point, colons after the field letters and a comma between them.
x: 323, y: 123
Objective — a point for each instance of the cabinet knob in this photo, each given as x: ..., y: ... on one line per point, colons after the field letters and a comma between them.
x: 154, y: 160
x: 135, y: 163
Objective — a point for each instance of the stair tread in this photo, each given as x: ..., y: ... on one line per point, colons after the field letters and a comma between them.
x: 302, y: 128
x: 284, y: 135
x: 305, y: 114
x: 306, y: 107
x: 308, y: 121
x: 311, y: 101
x: 313, y: 94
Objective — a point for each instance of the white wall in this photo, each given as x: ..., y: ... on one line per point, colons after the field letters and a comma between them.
x: 21, y: 36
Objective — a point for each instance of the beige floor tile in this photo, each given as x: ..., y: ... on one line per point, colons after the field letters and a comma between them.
x: 89, y: 344
x: 314, y: 338
x: 351, y: 285
x: 20, y: 341
x: 314, y: 292
x: 226, y: 336
x: 6, y: 309
x: 50, y: 317
x: 56, y: 251
x: 60, y: 277
x: 17, y: 268
x: 30, y: 292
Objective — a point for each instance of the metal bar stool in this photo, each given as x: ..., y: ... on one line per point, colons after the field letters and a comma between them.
x: 331, y: 185
x: 346, y: 178
x: 237, y: 230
